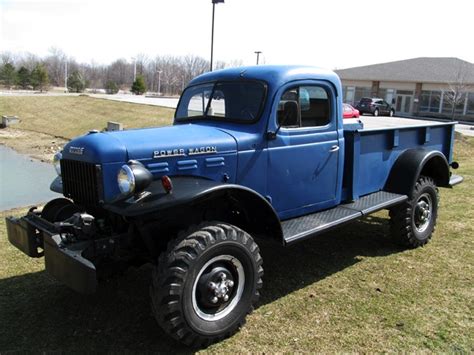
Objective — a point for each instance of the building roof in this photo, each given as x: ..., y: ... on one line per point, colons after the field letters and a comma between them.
x: 419, y: 70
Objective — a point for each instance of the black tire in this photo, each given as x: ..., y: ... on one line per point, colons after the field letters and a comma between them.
x: 392, y: 113
x: 413, y: 222
x: 376, y: 112
x: 183, y: 289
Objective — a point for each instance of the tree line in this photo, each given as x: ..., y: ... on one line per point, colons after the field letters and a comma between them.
x: 166, y: 74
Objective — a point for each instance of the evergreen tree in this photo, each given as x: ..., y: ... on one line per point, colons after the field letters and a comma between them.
x: 111, y: 87
x: 39, y: 77
x: 23, y: 78
x: 8, y: 75
x: 138, y: 86
x: 76, y: 82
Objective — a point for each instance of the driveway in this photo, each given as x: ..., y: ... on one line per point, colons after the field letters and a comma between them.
x: 171, y: 102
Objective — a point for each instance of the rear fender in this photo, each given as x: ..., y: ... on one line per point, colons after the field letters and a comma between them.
x: 413, y: 163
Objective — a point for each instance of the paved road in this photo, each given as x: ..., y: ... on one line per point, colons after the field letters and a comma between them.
x: 369, y: 121
x: 382, y: 121
x: 172, y: 102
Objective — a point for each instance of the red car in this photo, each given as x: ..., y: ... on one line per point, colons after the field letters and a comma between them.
x: 349, y: 111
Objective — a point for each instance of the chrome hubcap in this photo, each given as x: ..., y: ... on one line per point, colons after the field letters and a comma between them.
x: 423, y: 212
x: 218, y: 287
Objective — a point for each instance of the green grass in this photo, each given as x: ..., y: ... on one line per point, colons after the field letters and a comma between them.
x: 70, y: 116
x: 351, y: 290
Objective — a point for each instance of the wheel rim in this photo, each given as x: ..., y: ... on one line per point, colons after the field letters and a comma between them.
x: 423, y: 212
x: 218, y: 287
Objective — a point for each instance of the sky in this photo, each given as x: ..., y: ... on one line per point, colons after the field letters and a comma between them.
x: 333, y: 34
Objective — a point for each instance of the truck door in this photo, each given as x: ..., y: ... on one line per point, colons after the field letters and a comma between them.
x: 303, y: 156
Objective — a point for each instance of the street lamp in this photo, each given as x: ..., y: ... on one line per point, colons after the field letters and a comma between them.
x: 214, y: 2
x: 258, y: 55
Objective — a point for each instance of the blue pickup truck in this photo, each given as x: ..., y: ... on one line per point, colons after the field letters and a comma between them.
x: 253, y: 153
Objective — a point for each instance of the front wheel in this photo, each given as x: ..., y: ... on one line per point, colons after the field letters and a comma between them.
x: 206, y: 283
x: 376, y: 112
x: 413, y: 222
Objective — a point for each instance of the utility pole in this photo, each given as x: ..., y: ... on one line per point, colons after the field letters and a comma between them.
x: 258, y: 55
x: 159, y: 81
x: 134, y: 69
x: 214, y: 2
x: 65, y: 75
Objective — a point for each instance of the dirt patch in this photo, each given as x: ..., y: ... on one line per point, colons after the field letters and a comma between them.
x: 39, y: 146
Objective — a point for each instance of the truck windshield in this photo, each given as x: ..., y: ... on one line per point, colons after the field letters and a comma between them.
x: 240, y: 101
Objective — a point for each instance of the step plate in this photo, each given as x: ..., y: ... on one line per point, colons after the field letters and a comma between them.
x: 300, y: 228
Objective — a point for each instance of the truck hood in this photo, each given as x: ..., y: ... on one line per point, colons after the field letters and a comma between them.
x: 150, y: 143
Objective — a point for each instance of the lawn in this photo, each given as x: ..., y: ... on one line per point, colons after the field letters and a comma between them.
x: 70, y: 116
x: 349, y: 290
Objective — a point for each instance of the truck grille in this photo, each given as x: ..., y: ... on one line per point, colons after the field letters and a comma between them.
x: 81, y: 181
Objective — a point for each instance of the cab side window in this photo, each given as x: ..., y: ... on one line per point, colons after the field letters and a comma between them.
x: 304, y: 106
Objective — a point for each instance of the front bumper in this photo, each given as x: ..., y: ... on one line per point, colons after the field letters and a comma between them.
x: 37, y: 237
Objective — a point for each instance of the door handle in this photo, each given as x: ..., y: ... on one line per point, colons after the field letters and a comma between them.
x: 334, y: 148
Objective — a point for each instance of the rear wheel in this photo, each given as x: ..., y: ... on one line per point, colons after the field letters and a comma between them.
x: 206, y: 283
x: 392, y: 113
x: 413, y: 222
x: 376, y: 112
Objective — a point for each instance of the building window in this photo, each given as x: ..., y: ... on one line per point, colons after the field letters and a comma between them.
x: 470, y: 104
x: 361, y: 92
x: 429, y: 101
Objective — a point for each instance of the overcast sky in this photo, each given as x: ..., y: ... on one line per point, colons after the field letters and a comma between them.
x: 331, y: 34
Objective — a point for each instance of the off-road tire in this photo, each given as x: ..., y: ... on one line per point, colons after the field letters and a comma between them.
x: 181, y: 268
x: 404, y: 220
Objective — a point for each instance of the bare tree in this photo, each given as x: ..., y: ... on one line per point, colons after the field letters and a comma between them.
x: 456, y: 94
x: 172, y: 72
x: 55, y: 63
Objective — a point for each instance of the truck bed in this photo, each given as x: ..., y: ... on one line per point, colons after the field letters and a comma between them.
x: 371, y: 152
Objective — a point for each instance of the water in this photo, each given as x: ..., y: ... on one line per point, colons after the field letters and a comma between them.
x: 23, y: 182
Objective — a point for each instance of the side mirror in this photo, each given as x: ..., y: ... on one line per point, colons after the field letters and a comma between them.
x: 290, y: 115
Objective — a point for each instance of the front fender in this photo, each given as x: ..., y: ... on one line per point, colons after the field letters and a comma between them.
x: 188, y: 191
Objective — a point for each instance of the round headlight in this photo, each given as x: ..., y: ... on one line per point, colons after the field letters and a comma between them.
x: 56, y: 162
x: 126, y: 180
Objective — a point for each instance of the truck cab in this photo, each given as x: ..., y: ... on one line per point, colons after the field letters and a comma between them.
x: 253, y: 152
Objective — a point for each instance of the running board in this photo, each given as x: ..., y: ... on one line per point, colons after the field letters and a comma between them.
x: 300, y: 228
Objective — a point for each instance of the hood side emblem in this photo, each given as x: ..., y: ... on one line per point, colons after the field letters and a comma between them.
x: 76, y: 150
x: 165, y: 153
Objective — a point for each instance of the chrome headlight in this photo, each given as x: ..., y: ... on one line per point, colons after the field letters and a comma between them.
x: 56, y: 162
x: 126, y: 180
x: 133, y: 177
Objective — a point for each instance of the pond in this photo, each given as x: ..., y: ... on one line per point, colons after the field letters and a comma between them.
x: 23, y: 181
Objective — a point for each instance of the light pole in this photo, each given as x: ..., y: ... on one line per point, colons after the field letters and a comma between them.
x: 159, y: 80
x: 134, y: 69
x: 258, y: 55
x: 214, y: 2
x: 65, y: 75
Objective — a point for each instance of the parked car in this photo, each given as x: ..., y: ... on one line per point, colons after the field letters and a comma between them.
x: 349, y: 111
x: 375, y: 106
